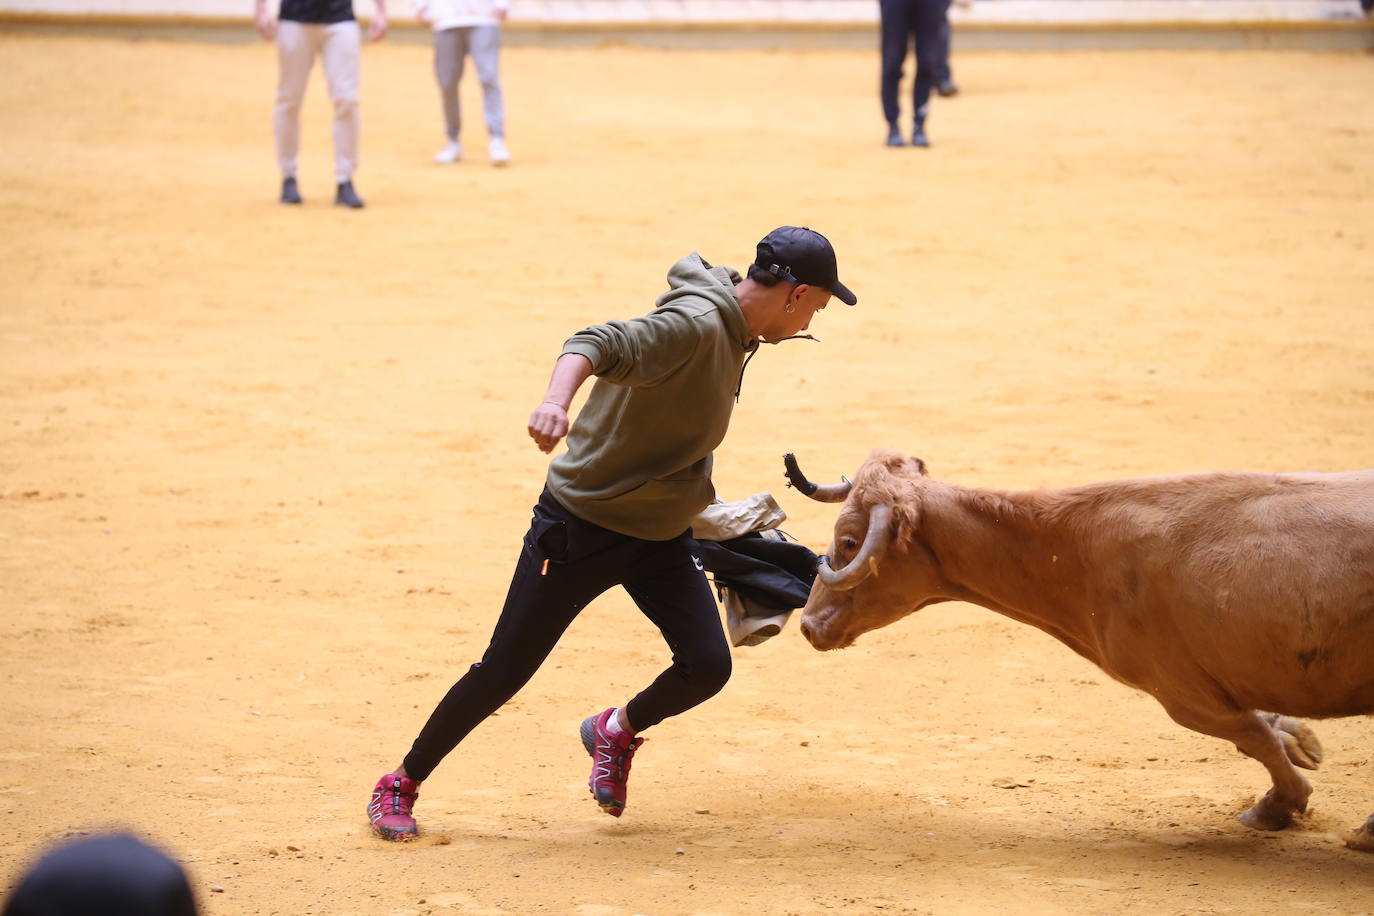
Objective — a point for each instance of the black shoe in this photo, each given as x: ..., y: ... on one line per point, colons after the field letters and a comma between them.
x: 894, y: 136
x: 918, y: 135
x: 947, y: 88
x: 347, y: 197
x: 290, y: 194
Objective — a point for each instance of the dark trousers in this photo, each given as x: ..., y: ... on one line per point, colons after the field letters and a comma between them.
x: 564, y: 564
x: 906, y: 23
x: 942, y: 71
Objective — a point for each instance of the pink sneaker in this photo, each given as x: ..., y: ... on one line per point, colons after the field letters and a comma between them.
x: 611, y: 758
x: 392, y: 801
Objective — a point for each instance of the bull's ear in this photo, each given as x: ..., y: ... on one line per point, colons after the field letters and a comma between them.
x: 919, y: 466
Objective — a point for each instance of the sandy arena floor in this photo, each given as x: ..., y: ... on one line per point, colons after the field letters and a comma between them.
x: 264, y: 470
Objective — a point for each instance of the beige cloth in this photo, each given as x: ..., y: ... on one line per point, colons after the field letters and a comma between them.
x: 722, y: 521
x: 337, y: 45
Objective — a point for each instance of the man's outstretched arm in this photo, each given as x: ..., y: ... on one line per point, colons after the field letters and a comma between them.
x: 549, y: 422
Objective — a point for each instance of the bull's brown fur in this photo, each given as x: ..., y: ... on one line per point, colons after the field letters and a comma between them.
x: 1220, y: 594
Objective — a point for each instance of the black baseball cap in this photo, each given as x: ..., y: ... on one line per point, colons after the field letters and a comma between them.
x: 801, y: 255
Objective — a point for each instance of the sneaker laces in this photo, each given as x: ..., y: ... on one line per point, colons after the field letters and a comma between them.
x: 393, y: 798
x: 612, y: 760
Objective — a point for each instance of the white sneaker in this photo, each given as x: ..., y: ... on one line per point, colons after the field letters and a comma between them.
x: 498, y: 152
x: 452, y: 152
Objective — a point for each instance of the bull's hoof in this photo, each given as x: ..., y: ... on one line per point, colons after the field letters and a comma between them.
x: 1362, y: 838
x: 1300, y: 742
x: 1267, y: 814
x: 1257, y: 818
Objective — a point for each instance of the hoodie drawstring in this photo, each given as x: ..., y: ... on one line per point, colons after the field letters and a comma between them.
x: 739, y: 386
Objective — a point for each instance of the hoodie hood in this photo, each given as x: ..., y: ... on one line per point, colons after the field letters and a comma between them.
x: 694, y: 276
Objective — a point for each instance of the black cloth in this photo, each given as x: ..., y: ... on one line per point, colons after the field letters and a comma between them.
x: 769, y: 573
x: 564, y: 564
x: 317, y: 11
x: 906, y: 23
x: 108, y: 875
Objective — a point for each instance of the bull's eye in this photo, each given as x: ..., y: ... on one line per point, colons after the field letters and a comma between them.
x: 848, y: 543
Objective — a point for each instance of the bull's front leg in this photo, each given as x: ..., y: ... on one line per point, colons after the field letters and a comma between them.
x: 1253, y: 736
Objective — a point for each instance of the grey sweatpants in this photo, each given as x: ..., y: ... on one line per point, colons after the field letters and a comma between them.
x: 483, y: 43
x: 338, y: 48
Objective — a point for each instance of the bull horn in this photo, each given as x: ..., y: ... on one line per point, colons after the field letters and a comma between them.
x: 866, y: 561
x: 824, y: 493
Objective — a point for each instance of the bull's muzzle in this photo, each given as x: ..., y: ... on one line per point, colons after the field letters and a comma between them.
x: 818, y: 630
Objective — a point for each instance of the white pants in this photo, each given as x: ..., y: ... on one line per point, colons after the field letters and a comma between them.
x: 483, y: 44
x: 337, y: 45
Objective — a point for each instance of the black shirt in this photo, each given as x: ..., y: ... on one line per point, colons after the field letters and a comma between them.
x: 316, y: 11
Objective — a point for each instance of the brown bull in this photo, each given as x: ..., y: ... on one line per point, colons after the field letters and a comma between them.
x: 1219, y: 594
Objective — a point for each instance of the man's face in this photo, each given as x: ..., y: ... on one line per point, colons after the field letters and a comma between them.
x: 806, y: 301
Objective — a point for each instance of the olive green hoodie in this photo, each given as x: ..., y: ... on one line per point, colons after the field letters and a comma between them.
x: 639, y: 455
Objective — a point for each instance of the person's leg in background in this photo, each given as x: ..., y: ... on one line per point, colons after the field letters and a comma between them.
x: 485, y: 47
x: 944, y: 77
x: 895, y: 38
x: 928, y: 16
x: 450, y: 47
x: 297, y: 44
x: 341, y: 53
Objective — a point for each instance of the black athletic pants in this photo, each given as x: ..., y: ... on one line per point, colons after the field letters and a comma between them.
x: 942, y: 71
x: 904, y: 23
x: 564, y: 564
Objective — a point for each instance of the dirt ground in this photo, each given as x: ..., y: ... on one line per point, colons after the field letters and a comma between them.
x: 264, y: 469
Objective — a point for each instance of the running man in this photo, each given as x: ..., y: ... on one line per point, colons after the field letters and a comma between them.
x: 618, y: 504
